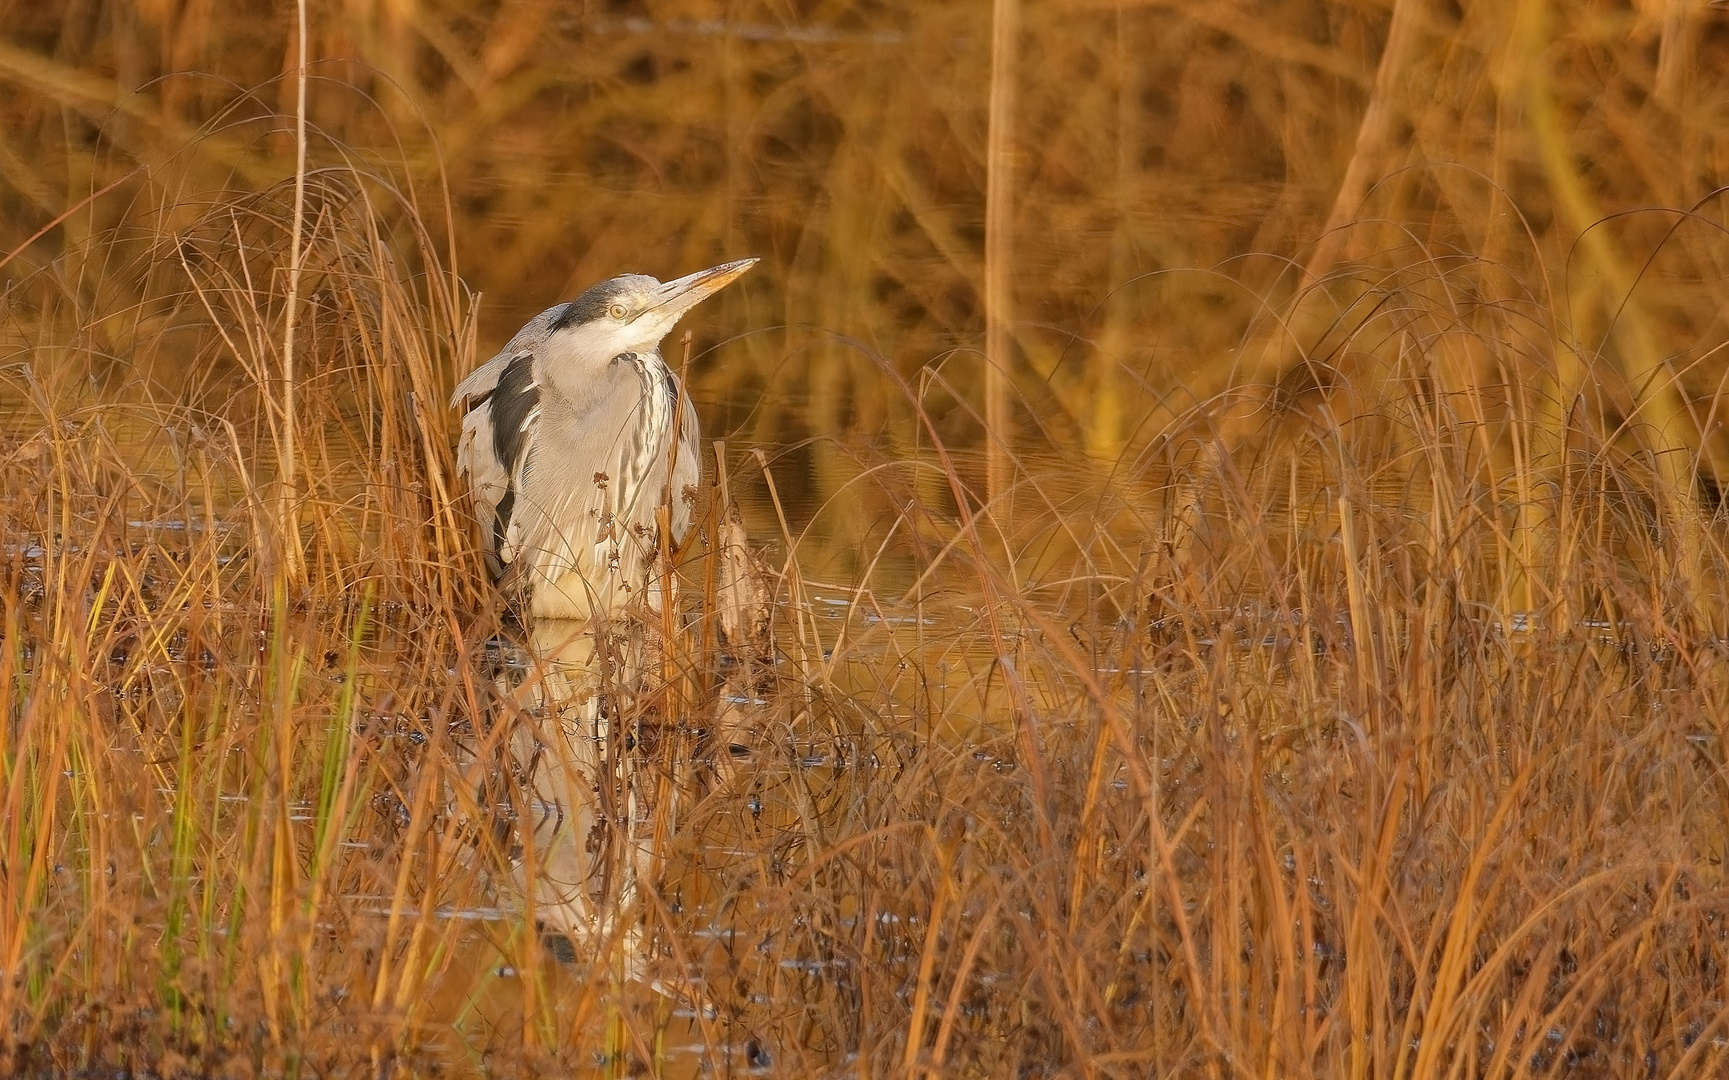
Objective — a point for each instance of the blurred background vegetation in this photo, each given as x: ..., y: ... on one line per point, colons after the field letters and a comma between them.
x: 1182, y: 173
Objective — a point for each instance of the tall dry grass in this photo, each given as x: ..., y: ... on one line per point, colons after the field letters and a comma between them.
x: 1349, y: 704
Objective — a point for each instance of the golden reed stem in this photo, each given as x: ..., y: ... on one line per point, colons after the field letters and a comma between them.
x: 289, y: 516
x: 999, y: 242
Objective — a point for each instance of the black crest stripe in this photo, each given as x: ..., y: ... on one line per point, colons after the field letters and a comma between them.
x: 588, y: 307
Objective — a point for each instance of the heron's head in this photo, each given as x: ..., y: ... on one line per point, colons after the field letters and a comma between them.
x: 631, y: 312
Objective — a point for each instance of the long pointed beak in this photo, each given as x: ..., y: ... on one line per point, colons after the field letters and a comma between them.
x: 677, y: 297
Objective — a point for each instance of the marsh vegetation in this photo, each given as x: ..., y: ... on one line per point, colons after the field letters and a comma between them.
x: 1332, y: 682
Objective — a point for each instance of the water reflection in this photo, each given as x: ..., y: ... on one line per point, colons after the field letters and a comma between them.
x: 585, y: 777
x: 581, y: 814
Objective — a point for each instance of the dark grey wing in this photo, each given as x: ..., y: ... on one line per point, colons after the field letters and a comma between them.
x: 497, y: 442
x: 515, y: 407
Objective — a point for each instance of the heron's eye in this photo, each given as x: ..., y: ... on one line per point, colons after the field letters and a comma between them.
x: 617, y: 311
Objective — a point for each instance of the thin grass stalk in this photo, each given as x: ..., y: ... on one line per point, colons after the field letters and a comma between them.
x: 1376, y: 135
x: 999, y: 243
x: 1104, y: 432
x: 289, y: 503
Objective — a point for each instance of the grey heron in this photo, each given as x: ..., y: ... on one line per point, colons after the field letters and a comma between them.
x: 575, y: 435
x: 568, y: 440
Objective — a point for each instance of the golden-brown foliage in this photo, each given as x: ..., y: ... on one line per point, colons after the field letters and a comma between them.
x: 1173, y: 161
x: 1338, y: 690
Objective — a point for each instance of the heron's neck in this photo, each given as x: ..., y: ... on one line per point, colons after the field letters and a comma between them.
x: 650, y: 368
x: 659, y: 389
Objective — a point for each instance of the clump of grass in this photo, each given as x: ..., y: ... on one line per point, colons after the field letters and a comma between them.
x: 1379, y: 736
x: 212, y: 763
